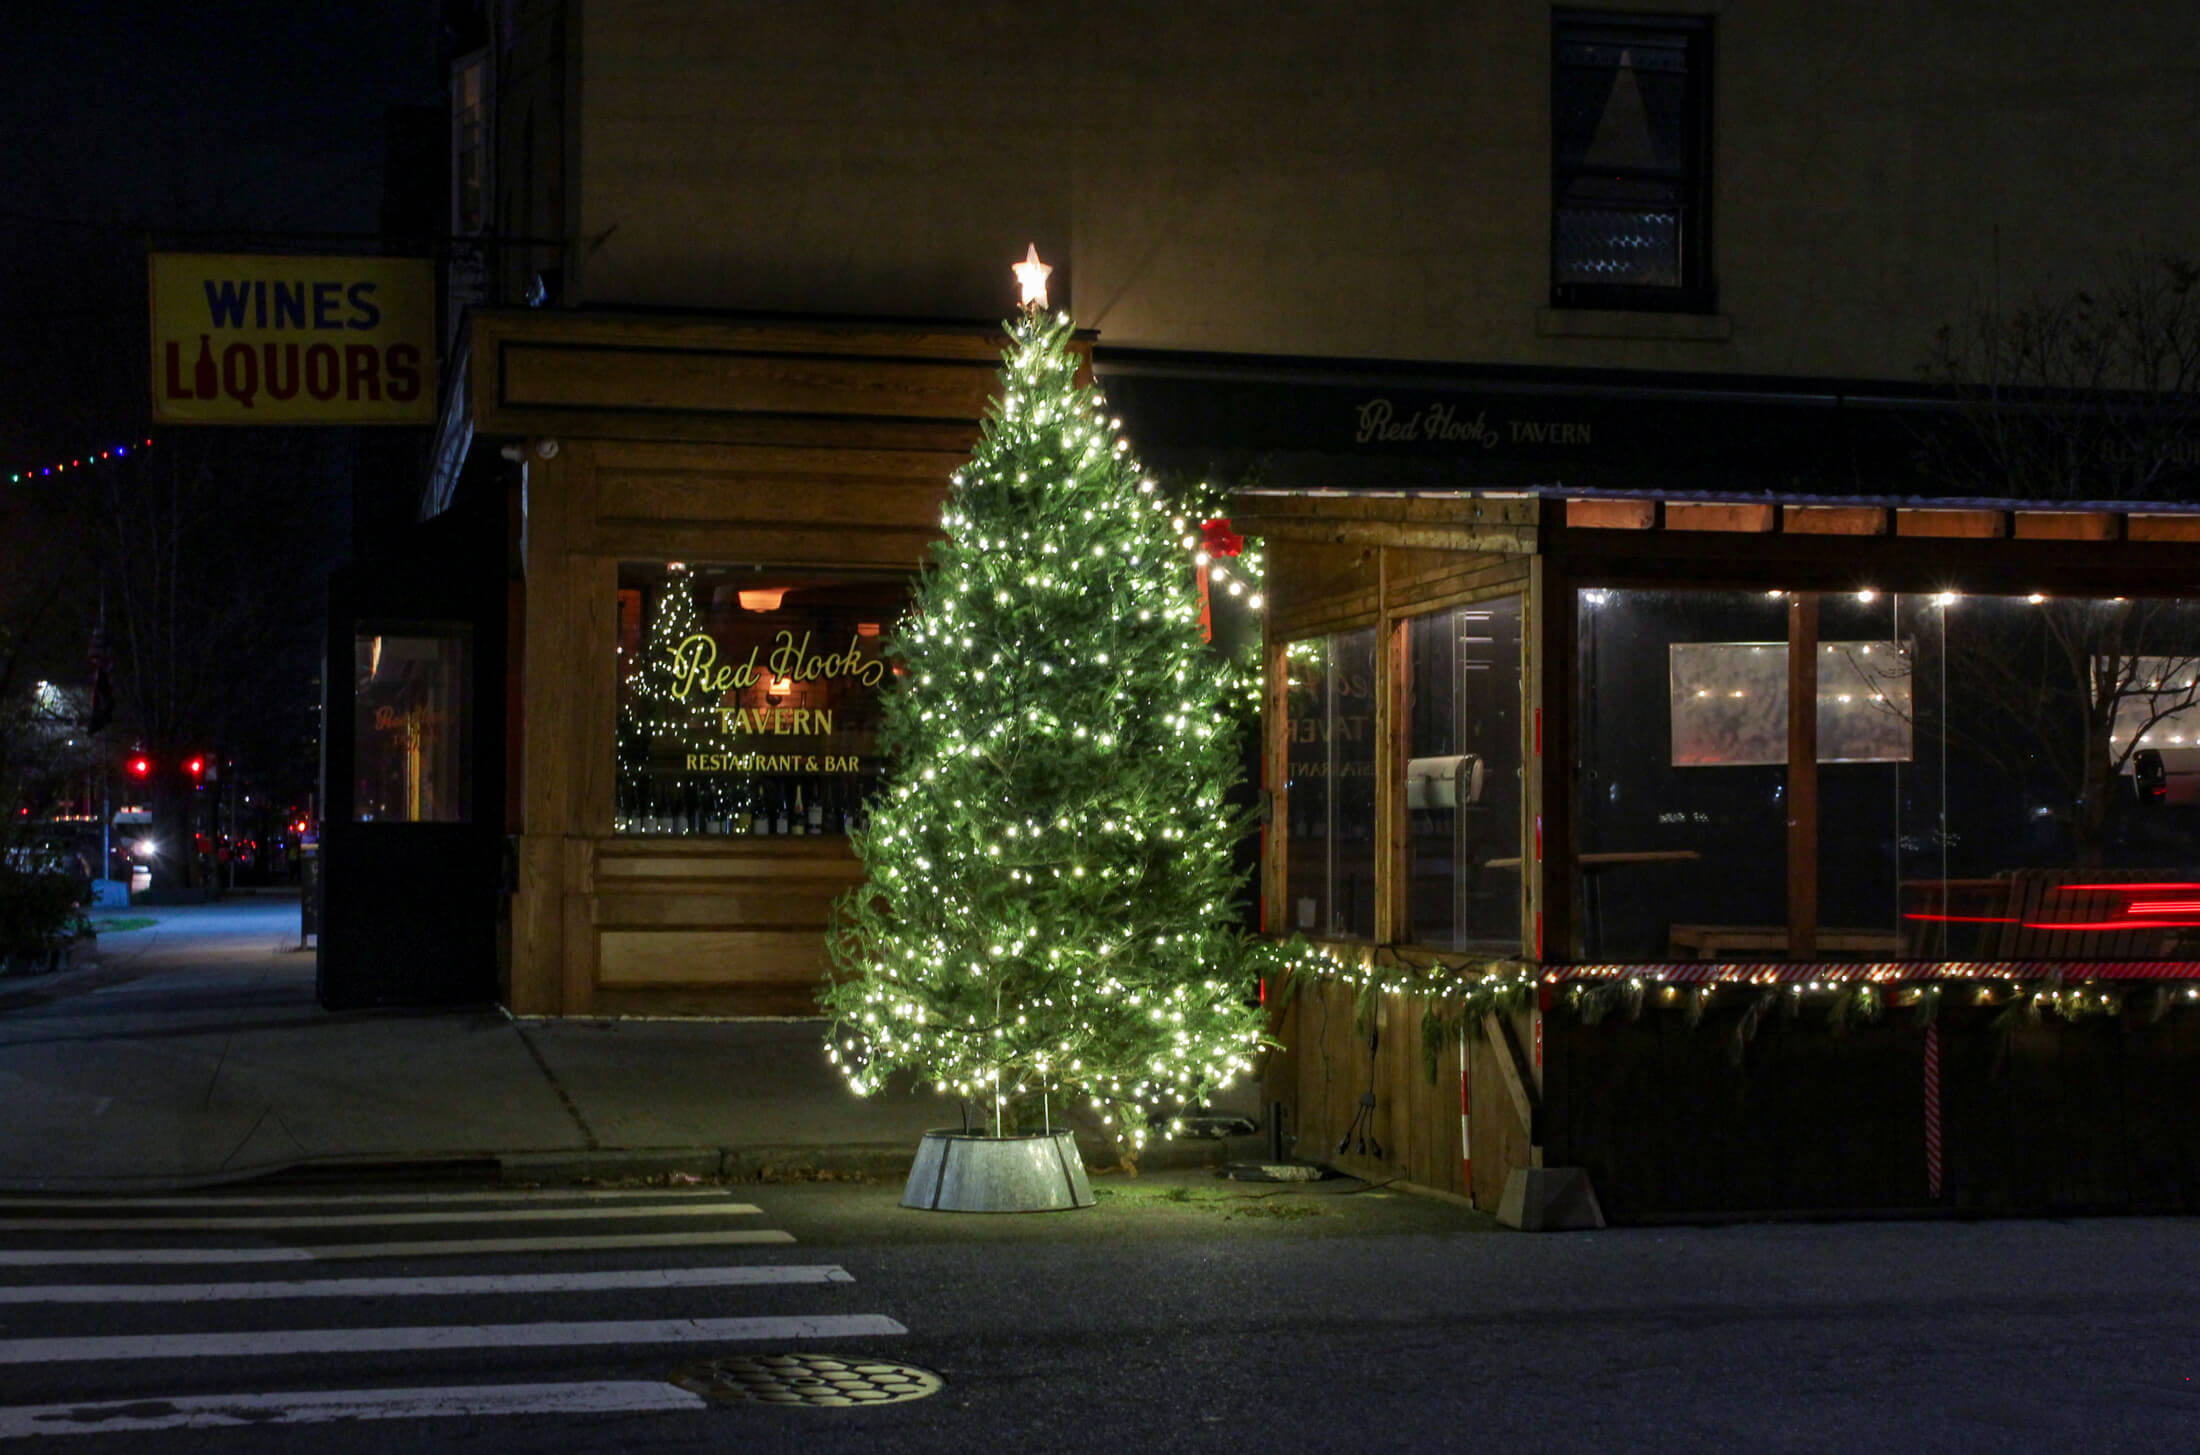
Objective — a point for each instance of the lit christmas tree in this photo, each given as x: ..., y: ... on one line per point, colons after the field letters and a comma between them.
x: 1049, y: 906
x: 657, y: 724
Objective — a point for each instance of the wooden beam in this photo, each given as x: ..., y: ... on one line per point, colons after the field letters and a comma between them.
x: 1696, y: 515
x: 1512, y: 1067
x: 1952, y: 524
x: 2065, y: 525
x: 1834, y: 520
x: 2163, y: 527
x: 1611, y: 514
x: 1802, y: 777
x: 1499, y: 540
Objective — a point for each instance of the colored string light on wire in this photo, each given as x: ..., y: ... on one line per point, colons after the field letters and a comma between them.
x: 79, y: 462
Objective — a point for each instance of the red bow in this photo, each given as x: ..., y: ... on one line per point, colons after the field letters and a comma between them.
x: 1218, y: 539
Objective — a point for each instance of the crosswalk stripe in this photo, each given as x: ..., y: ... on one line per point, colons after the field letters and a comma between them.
x: 213, y: 1411
x: 267, y: 1343
x: 334, y: 1252
x: 744, y: 1275
x: 359, y: 1199
x: 365, y: 1220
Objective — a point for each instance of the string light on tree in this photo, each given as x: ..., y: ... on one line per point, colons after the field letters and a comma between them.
x: 1050, y: 886
x: 656, y: 721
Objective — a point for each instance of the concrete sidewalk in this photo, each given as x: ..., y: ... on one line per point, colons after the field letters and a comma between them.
x: 193, y: 1052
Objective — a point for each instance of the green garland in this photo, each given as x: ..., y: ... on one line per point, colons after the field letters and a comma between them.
x: 1454, y: 995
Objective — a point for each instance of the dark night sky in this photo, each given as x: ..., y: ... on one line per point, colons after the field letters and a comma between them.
x: 253, y: 114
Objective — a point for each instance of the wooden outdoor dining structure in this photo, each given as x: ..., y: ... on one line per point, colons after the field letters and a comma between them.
x: 1832, y: 833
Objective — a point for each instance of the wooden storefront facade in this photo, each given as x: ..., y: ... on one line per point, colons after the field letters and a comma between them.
x: 820, y: 448
x: 1699, y: 1067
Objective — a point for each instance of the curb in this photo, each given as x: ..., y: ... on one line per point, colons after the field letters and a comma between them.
x: 842, y: 1162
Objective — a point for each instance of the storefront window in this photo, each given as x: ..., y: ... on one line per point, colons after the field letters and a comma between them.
x: 749, y: 701
x: 1999, y: 777
x: 409, y: 728
x: 1463, y: 777
x: 1329, y: 851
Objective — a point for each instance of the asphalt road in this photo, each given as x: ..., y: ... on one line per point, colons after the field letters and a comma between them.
x: 1182, y: 1314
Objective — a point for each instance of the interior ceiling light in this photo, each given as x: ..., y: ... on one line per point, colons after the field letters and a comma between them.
x: 764, y: 599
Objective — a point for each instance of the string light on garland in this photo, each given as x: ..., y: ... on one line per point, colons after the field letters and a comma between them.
x: 79, y: 462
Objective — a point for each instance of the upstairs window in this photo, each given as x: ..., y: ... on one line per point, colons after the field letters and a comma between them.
x: 1630, y: 162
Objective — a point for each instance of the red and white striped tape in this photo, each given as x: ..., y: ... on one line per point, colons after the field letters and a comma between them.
x: 1466, y: 1135
x: 1752, y: 972
x: 1932, y: 1110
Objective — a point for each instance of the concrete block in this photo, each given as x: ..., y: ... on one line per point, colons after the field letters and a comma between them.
x: 1550, y: 1200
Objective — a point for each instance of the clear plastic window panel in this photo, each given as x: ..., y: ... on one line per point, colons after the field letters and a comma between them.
x: 2008, y: 777
x: 1329, y: 849
x: 1463, y: 783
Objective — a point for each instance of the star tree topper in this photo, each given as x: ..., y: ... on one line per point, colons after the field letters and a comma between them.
x: 1031, y: 276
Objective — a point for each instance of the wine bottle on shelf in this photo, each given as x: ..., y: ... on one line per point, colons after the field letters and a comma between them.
x: 779, y: 818
x: 799, y: 820
x: 817, y: 808
x: 759, y: 820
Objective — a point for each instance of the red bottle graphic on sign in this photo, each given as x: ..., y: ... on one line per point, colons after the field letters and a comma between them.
x: 203, y: 377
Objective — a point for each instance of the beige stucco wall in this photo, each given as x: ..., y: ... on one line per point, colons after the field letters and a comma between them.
x: 1361, y: 179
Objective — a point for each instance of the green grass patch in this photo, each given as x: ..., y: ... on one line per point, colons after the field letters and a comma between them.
x: 1208, y: 1199
x: 123, y: 922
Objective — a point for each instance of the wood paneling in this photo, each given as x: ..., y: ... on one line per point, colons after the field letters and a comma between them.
x: 823, y: 546
x: 2057, y: 1117
x: 648, y: 378
x: 737, y: 924
x: 1336, y: 1056
x: 610, y: 376
x: 1315, y: 588
x: 1423, y: 581
x: 728, y: 959
x: 842, y: 501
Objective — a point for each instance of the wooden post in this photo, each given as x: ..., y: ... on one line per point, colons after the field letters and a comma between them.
x: 1275, y: 726
x: 1548, y: 742
x: 1393, y: 922
x: 1802, y: 778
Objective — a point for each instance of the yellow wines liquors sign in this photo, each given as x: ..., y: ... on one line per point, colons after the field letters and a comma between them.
x: 245, y: 339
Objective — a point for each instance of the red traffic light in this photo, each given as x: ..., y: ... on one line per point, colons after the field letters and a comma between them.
x: 141, y: 766
x: 195, y: 766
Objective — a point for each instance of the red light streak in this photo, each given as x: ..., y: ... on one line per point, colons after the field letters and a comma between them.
x: 2187, y: 888
x: 2116, y: 924
x: 2164, y: 906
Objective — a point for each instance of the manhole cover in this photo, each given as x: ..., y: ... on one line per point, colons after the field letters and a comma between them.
x: 806, y: 1379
